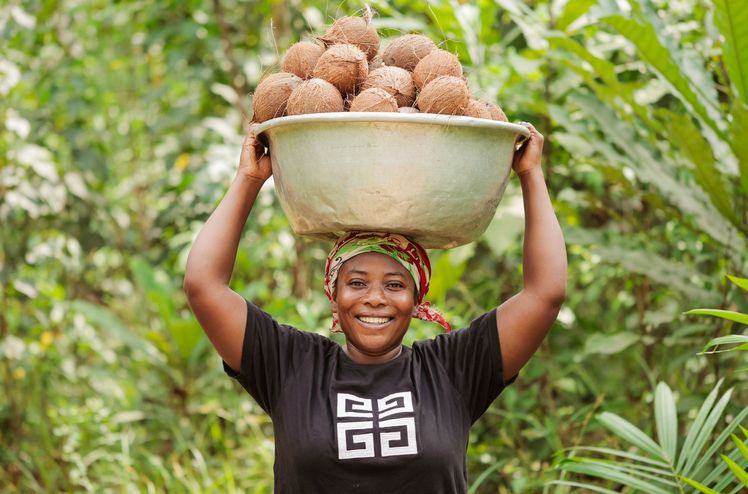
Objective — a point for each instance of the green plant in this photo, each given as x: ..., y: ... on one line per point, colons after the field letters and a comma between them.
x: 741, y: 341
x: 740, y: 473
x: 657, y: 466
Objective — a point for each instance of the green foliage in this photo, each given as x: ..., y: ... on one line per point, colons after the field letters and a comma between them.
x: 736, y: 339
x: 120, y: 126
x: 661, y: 467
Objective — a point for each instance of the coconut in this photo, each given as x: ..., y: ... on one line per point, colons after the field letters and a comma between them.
x: 301, y: 58
x: 477, y: 109
x: 354, y: 30
x: 271, y: 96
x: 374, y: 99
x: 447, y: 95
x: 406, y: 51
x: 314, y: 96
x: 344, y: 66
x: 435, y: 64
x: 375, y: 63
x: 408, y: 109
x: 495, y: 112
x: 396, y: 81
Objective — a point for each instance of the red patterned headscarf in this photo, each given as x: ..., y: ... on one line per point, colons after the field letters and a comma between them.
x: 408, y: 253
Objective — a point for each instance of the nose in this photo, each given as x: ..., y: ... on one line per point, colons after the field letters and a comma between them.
x: 375, y: 295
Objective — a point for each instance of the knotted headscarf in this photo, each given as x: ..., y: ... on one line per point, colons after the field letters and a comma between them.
x: 408, y: 253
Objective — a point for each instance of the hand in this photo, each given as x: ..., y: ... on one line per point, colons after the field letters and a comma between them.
x: 528, y: 156
x: 254, y: 162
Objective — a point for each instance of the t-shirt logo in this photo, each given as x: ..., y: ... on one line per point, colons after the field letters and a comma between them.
x: 368, y: 432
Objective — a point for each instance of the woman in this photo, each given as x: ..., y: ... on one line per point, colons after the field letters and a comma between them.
x: 373, y: 415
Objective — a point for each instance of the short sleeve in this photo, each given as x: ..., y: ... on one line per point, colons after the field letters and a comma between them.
x: 269, y: 353
x: 471, y: 358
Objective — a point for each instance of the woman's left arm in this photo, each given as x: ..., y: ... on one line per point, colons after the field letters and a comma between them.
x: 525, y: 319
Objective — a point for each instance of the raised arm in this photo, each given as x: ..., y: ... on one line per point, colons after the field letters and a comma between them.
x: 524, y: 319
x: 220, y: 311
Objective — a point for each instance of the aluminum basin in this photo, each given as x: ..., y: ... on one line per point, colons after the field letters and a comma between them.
x: 435, y: 178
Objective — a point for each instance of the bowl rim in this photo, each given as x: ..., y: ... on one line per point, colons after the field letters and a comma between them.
x: 417, y: 118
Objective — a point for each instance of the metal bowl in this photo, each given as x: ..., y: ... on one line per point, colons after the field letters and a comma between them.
x: 435, y: 178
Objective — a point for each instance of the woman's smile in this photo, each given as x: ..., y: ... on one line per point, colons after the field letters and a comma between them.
x: 374, y: 321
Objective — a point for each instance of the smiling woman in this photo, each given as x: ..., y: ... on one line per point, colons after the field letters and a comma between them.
x: 374, y: 415
x: 374, y: 302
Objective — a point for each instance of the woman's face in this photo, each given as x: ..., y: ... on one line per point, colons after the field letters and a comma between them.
x: 374, y: 302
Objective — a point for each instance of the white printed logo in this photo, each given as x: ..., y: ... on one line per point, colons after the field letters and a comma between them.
x: 362, y: 425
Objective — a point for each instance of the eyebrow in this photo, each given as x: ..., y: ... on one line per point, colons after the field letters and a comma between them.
x: 361, y: 271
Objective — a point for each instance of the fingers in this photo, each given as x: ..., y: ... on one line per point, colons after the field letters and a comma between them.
x: 533, y: 131
x: 252, y: 148
x: 258, y: 145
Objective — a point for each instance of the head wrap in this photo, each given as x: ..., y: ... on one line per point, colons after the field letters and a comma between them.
x: 408, y: 253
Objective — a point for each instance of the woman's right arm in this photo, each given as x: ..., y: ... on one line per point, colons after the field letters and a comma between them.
x: 222, y: 312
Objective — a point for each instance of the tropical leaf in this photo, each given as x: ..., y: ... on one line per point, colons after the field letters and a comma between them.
x: 616, y: 94
x: 700, y: 487
x: 740, y: 444
x: 573, y: 11
x: 738, y: 142
x: 652, y: 168
x: 602, y: 68
x: 666, y: 420
x: 741, y: 282
x: 655, y: 474
x: 629, y: 432
x: 632, y: 469
x: 532, y: 27
x: 741, y: 474
x: 665, y: 271
x: 593, y: 488
x: 717, y: 443
x: 622, y: 454
x: 720, y: 475
x: 731, y: 19
x: 722, y: 314
x: 610, y: 472
x: 704, y: 428
x: 709, y: 178
x: 657, y: 268
x: 739, y: 339
x: 644, y: 37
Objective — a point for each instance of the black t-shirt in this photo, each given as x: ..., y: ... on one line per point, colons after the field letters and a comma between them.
x: 339, y: 426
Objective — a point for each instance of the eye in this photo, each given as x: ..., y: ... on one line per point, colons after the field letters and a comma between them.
x: 356, y: 283
x: 395, y: 285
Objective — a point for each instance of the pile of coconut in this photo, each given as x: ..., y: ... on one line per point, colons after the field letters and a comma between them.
x: 342, y: 71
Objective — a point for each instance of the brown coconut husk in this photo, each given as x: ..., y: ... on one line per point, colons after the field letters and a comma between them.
x: 407, y: 50
x: 375, y: 63
x: 448, y: 95
x: 301, y: 58
x: 271, y: 96
x: 408, y: 109
x: 344, y: 66
x: 354, y: 30
x: 436, y: 64
x: 314, y: 96
x: 477, y: 109
x: 374, y: 100
x: 495, y: 111
x: 396, y: 81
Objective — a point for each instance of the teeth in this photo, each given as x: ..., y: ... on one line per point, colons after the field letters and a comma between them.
x: 374, y: 320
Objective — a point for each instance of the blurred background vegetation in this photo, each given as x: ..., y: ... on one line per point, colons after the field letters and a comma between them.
x: 120, y: 128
